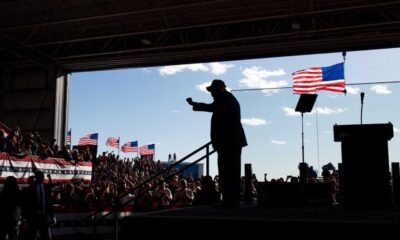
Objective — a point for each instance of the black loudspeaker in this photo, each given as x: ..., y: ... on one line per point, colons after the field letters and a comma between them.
x: 365, y: 178
x: 303, y: 167
x: 248, y: 173
x: 306, y: 103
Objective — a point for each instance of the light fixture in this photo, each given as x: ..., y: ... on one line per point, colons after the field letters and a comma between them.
x: 295, y: 26
x: 146, y: 41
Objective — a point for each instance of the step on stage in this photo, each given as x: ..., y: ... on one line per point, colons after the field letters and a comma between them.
x: 208, y: 221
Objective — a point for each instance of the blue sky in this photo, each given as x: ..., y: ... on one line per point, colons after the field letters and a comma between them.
x: 148, y: 105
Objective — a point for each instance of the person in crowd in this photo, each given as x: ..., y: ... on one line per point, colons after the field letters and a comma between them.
x: 173, y: 184
x: 208, y: 193
x: 10, y: 208
x: 227, y: 137
x: 311, y: 172
x: 325, y: 174
x: 162, y: 196
x: 334, y: 181
x: 13, y: 141
x: 34, y: 144
x: 144, y: 199
x: 183, y: 196
x: 37, y: 209
x: 2, y: 141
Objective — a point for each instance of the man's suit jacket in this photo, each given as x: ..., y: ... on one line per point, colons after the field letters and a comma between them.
x: 31, y: 206
x: 226, y: 128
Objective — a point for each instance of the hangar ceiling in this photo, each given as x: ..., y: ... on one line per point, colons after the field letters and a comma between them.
x: 81, y: 35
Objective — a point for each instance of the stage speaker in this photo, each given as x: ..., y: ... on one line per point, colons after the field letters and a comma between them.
x: 303, y: 168
x: 396, y: 182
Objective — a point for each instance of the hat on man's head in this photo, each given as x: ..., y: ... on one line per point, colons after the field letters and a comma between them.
x: 216, y: 84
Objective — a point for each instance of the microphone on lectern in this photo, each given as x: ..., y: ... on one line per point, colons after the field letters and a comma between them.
x: 362, y: 97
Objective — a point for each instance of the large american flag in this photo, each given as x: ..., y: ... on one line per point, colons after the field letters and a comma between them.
x: 112, y: 142
x: 314, y: 79
x: 90, y: 139
x: 69, y: 137
x: 130, y: 147
x: 147, y: 149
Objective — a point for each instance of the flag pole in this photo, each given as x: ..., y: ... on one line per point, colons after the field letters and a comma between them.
x: 344, y: 76
x: 344, y: 56
x: 137, y: 152
x: 119, y: 140
x: 317, y: 128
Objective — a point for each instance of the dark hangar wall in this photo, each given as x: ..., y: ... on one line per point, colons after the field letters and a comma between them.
x: 35, y: 99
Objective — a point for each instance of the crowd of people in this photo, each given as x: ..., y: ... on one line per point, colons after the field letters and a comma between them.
x: 130, y: 180
x: 113, y: 178
x: 15, y: 143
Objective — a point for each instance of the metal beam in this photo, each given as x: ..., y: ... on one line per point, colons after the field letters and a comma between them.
x: 357, y: 28
x: 112, y: 15
x: 228, y: 22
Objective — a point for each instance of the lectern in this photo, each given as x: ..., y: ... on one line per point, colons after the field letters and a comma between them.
x: 365, y: 179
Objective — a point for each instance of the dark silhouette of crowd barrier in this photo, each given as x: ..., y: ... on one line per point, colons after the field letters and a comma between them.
x: 294, y: 194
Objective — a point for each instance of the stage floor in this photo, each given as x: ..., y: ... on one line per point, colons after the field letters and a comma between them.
x: 285, y: 221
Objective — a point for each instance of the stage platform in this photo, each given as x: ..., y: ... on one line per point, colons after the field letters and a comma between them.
x: 206, y: 221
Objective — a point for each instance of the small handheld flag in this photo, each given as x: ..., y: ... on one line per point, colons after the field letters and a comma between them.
x: 90, y: 139
x: 69, y: 137
x: 148, y: 149
x: 130, y: 147
x: 112, y: 142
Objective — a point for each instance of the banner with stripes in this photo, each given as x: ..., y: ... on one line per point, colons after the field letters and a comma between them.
x: 61, y: 171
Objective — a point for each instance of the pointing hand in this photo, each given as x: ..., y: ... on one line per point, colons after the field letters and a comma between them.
x: 189, y: 100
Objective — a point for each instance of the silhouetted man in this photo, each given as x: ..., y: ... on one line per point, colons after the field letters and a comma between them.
x: 227, y: 137
x: 37, y: 209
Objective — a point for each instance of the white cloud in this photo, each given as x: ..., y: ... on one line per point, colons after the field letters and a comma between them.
x: 214, y: 68
x: 290, y: 112
x: 254, y: 121
x: 352, y: 90
x: 173, y: 69
x: 328, y: 111
x: 380, y: 89
x: 321, y: 110
x: 278, y: 142
x: 396, y: 130
x: 146, y: 70
x: 202, y: 87
x: 255, y: 77
x: 219, y: 68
